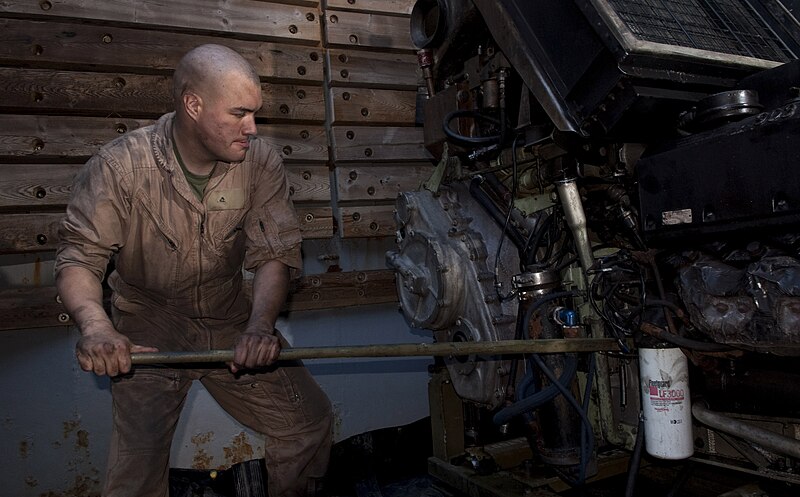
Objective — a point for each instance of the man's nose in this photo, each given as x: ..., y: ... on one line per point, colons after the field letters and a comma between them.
x: 250, y: 125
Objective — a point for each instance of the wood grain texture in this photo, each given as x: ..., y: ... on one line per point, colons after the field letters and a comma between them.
x: 357, y: 29
x: 328, y: 290
x: 126, y: 94
x: 115, y: 49
x: 21, y: 233
x: 379, y: 182
x: 244, y: 18
x: 26, y: 186
x: 27, y: 308
x: 35, y: 138
x: 395, y: 7
x: 40, y: 307
x: 358, y: 68
x: 379, y: 143
x: 309, y: 182
x: 373, y: 106
x: 361, y: 221
x: 47, y: 137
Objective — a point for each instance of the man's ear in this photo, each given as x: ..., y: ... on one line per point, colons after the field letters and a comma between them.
x: 193, y: 104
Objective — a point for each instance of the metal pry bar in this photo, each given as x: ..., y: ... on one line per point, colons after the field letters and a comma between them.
x: 501, y: 347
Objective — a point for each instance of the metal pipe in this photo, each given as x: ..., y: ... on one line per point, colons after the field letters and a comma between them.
x: 759, y: 436
x: 501, y: 347
x: 576, y: 220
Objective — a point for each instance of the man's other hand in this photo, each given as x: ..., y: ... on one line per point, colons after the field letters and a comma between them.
x: 255, y: 349
x: 107, y: 352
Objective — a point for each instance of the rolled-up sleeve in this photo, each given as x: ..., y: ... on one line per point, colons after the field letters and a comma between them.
x: 272, y: 227
x: 97, y: 214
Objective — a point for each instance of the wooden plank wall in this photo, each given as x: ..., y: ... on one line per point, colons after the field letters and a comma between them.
x: 340, y: 84
x: 374, y: 84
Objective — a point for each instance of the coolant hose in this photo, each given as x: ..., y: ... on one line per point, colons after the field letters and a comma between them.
x: 765, y: 438
x: 504, y: 416
x: 529, y: 403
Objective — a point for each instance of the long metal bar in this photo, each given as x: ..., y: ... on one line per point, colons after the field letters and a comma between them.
x: 500, y: 347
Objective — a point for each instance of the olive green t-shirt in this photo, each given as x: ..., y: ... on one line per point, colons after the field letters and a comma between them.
x: 197, y: 182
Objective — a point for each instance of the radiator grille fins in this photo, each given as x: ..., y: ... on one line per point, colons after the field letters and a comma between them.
x: 732, y: 27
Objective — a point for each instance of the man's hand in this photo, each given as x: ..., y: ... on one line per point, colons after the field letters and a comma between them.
x: 255, y: 349
x: 107, y: 352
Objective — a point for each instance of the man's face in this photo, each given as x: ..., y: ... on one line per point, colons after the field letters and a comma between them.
x: 226, y: 121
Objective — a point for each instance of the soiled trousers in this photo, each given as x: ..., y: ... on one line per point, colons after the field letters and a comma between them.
x: 284, y: 403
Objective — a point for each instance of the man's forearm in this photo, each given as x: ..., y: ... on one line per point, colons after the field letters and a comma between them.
x: 82, y: 296
x: 270, y: 288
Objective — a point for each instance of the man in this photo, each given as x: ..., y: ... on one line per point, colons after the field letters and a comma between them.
x: 182, y: 206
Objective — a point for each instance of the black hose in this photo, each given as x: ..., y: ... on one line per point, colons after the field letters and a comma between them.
x: 509, y: 412
x: 585, y: 434
x: 636, y: 458
x: 532, y: 402
x: 685, y: 343
x: 587, y: 425
x: 486, y: 202
x: 470, y: 140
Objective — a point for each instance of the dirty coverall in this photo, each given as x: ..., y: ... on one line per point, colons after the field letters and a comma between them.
x: 177, y: 285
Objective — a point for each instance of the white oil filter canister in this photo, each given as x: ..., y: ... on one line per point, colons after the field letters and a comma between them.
x: 666, y: 405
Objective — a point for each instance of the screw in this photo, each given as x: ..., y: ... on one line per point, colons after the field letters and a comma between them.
x: 107, y: 38
x: 301, y: 70
x: 40, y: 193
x: 313, y: 56
x: 304, y: 134
x: 310, y: 16
x: 63, y: 317
x: 293, y: 29
x: 353, y: 39
x: 350, y: 135
x: 287, y: 150
x: 364, y: 111
x: 368, y: 152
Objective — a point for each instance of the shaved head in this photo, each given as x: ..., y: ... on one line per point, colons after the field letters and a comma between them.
x: 204, y: 69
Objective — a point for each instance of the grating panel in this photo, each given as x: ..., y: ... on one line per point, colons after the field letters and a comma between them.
x: 727, y: 26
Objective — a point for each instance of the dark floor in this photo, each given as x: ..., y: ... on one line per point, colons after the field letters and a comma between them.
x: 393, y: 462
